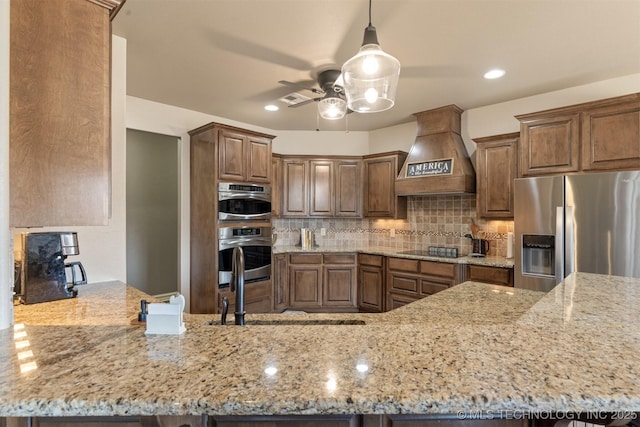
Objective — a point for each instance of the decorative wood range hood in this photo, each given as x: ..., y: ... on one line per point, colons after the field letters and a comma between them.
x: 438, y: 162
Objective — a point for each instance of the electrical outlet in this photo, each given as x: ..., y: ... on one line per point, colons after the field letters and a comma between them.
x: 392, y: 232
x: 323, y: 231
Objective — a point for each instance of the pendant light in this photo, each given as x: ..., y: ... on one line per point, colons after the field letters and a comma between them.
x: 371, y: 76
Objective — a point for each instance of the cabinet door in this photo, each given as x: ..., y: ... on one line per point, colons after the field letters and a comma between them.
x: 379, y: 196
x: 611, y: 137
x: 258, y: 159
x: 348, y: 188
x: 258, y: 297
x: 321, y: 188
x: 280, y: 283
x: 231, y: 146
x: 294, y: 188
x: 276, y: 187
x: 371, y: 289
x: 550, y: 145
x: 59, y: 113
x: 496, y: 161
x: 339, y: 286
x: 305, y: 283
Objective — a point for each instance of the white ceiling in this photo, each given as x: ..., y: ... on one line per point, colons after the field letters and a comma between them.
x: 225, y: 57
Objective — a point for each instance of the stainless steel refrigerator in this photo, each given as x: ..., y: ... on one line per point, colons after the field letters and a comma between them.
x: 564, y: 224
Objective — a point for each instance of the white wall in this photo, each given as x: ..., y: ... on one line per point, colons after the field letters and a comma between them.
x: 393, y: 138
x: 499, y: 118
x: 6, y: 257
x: 323, y: 142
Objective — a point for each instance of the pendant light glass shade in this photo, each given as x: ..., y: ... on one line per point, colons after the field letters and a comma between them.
x: 332, y: 108
x: 371, y: 77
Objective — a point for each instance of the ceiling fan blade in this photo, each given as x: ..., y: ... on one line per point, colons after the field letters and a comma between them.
x: 308, y: 101
x: 295, y: 85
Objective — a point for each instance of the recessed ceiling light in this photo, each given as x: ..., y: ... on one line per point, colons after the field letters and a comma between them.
x: 271, y: 107
x: 494, y: 74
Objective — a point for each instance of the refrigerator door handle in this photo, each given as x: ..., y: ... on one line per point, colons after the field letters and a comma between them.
x: 559, y: 247
x: 569, y: 241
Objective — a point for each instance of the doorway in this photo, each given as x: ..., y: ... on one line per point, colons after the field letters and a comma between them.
x: 152, y: 212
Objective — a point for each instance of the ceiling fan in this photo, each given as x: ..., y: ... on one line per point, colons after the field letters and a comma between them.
x: 332, y: 104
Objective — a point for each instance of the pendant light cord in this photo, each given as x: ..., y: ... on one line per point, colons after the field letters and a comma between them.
x: 370, y: 12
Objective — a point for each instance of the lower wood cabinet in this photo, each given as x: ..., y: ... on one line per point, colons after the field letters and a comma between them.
x: 409, y: 280
x: 321, y: 282
x: 493, y: 275
x: 361, y: 421
x: 371, y: 283
x: 257, y: 297
x: 288, y: 421
x: 115, y: 421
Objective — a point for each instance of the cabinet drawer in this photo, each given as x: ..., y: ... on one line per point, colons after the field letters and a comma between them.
x: 404, y: 283
x: 372, y: 260
x: 406, y: 265
x: 305, y: 258
x: 495, y: 275
x: 396, y: 300
x: 340, y: 259
x: 437, y: 268
x: 431, y: 285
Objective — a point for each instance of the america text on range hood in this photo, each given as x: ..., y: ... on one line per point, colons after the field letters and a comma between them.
x: 438, y: 162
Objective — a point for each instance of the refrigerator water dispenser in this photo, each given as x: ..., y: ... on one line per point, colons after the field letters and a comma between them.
x: 538, y: 255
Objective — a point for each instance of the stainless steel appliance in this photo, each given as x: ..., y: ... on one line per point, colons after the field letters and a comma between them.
x: 576, y: 223
x: 256, y: 245
x: 243, y: 202
x: 45, y: 276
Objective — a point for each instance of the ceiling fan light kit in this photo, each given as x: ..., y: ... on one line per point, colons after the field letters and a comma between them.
x: 332, y: 108
x: 371, y: 76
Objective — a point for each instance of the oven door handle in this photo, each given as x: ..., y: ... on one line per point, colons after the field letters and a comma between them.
x: 232, y: 243
x: 236, y: 196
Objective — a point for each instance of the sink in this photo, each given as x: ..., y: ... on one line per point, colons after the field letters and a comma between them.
x: 291, y: 322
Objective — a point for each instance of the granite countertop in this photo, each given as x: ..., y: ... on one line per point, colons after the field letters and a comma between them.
x: 490, y: 261
x: 473, y: 347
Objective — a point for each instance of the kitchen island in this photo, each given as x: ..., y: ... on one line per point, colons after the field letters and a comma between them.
x: 469, y: 349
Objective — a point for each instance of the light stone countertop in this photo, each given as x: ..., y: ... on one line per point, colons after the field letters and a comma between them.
x: 473, y: 347
x: 491, y: 261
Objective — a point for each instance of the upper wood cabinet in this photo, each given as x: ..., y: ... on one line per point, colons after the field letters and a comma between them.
x: 244, y: 156
x: 611, y: 137
x: 594, y: 136
x: 295, y: 182
x: 496, y: 169
x: 321, y: 187
x: 60, y: 108
x: 348, y: 188
x: 380, y: 173
x: 550, y: 145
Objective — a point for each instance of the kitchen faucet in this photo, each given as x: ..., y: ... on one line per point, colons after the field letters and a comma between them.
x: 237, y: 283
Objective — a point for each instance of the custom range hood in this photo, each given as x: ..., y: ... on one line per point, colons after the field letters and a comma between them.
x: 438, y: 162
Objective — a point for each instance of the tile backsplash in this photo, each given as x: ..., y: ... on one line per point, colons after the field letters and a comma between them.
x: 431, y: 221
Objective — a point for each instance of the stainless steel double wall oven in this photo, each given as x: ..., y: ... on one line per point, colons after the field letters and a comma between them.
x: 244, y: 218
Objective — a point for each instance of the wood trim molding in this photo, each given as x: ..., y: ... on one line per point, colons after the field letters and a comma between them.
x: 114, y: 6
